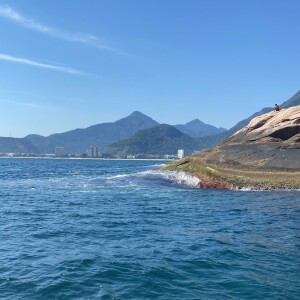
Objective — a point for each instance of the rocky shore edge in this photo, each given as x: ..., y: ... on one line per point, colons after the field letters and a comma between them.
x: 231, y: 178
x: 264, y: 155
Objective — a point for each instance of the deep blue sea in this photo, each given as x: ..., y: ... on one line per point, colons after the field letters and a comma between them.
x: 108, y: 229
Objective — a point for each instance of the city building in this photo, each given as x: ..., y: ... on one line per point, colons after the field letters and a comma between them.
x: 180, y: 153
x: 94, y: 151
x: 59, y: 151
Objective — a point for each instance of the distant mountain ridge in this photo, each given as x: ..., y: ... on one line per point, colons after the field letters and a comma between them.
x: 203, y: 142
x: 16, y: 145
x: 212, y: 141
x: 101, y: 135
x: 197, y: 128
x: 159, y: 140
x: 105, y: 134
x: 293, y: 101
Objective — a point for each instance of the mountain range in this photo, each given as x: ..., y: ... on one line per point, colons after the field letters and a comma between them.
x: 134, y: 134
x: 101, y: 135
x: 159, y: 140
x: 16, y: 145
x: 133, y: 145
x: 197, y: 128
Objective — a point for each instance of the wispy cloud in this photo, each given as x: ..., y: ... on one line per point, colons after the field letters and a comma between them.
x: 87, y: 39
x: 35, y: 105
x: 40, y: 65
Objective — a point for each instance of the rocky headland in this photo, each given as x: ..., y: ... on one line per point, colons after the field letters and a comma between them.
x: 265, y: 154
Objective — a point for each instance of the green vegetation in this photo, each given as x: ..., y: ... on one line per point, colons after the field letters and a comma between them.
x: 101, y: 135
x: 213, y: 176
x: 160, y: 140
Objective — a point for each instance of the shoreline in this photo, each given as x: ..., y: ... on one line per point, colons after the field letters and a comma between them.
x: 88, y: 158
x: 230, y: 178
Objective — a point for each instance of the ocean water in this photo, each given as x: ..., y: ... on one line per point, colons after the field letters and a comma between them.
x: 107, y: 229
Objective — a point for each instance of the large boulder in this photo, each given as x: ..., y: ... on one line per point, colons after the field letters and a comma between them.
x: 265, y: 154
x: 270, y: 141
x: 272, y: 127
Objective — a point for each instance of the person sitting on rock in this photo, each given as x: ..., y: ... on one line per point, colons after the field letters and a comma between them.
x: 276, y: 107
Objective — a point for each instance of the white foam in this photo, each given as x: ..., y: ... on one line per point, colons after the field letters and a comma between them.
x: 178, y: 177
x: 158, y: 165
x: 119, y: 176
x: 245, y: 189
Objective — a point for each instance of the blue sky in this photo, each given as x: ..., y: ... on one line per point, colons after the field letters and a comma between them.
x: 72, y: 64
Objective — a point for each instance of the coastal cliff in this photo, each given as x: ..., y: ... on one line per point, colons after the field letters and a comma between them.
x: 265, y: 154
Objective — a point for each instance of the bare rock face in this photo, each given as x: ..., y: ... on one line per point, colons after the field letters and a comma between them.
x: 265, y: 154
x: 273, y: 127
x: 270, y: 141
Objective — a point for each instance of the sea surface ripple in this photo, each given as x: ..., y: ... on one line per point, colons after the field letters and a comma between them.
x: 107, y: 229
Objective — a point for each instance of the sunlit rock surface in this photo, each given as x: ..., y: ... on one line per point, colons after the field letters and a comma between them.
x: 265, y: 154
x: 282, y: 126
x: 268, y: 141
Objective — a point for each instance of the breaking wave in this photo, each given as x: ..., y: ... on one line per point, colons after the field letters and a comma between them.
x: 163, y: 177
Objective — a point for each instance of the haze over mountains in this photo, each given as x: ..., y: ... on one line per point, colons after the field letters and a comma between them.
x: 159, y: 140
x: 197, y: 128
x: 134, y: 134
x: 102, y: 135
x: 128, y: 146
x: 16, y: 145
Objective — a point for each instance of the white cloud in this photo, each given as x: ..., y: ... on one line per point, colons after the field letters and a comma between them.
x: 31, y: 105
x: 88, y: 39
x: 40, y: 65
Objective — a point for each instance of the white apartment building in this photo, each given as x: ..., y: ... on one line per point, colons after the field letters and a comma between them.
x: 93, y: 151
x: 180, y: 153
